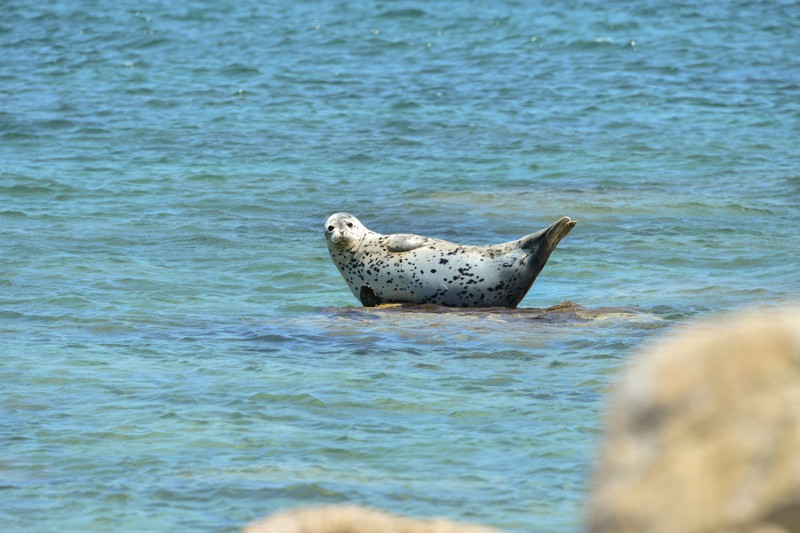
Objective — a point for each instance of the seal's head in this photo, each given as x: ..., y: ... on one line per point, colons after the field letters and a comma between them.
x: 343, y: 229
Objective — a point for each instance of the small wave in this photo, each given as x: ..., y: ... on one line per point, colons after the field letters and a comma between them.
x: 205, y: 176
x: 149, y: 42
x: 93, y: 130
x: 591, y: 44
x: 26, y: 190
x: 733, y: 206
x: 360, y: 158
x: 406, y: 105
x: 312, y: 492
x: 18, y: 136
x: 201, y: 239
x: 749, y: 209
x: 269, y: 338
x: 58, y: 124
x: 13, y: 214
x: 404, y: 141
x: 409, y: 13
x: 509, y: 355
x: 237, y: 69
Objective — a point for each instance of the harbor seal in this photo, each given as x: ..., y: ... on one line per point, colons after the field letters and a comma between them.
x: 406, y: 268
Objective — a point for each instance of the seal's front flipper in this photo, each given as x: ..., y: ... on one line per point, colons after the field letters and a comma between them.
x: 405, y: 242
x: 368, y: 297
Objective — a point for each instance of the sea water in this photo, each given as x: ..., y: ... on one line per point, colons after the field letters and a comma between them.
x: 178, y: 350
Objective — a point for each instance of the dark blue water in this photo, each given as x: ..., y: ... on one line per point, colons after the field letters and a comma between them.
x: 179, y: 351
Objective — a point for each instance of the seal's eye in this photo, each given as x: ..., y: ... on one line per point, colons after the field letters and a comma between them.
x: 330, y: 228
x: 349, y: 224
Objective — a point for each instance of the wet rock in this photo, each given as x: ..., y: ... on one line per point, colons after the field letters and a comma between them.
x: 703, y: 434
x: 354, y: 519
x: 564, y: 312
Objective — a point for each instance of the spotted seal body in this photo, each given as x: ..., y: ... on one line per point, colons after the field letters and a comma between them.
x: 405, y: 268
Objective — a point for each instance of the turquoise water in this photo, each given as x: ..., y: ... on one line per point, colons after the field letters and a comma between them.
x: 178, y: 351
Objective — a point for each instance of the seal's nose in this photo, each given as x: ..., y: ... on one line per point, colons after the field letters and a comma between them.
x: 333, y: 235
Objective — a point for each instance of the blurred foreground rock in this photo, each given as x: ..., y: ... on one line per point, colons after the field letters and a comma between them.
x: 703, y: 434
x: 353, y: 519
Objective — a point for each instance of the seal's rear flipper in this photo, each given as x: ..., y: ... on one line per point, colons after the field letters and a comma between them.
x: 548, y: 238
x: 541, y: 244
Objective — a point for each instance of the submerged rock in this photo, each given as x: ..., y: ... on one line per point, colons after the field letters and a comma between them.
x: 354, y: 519
x: 703, y: 433
x: 566, y: 311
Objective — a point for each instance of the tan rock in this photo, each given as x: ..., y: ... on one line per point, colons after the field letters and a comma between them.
x: 703, y: 434
x: 354, y: 519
